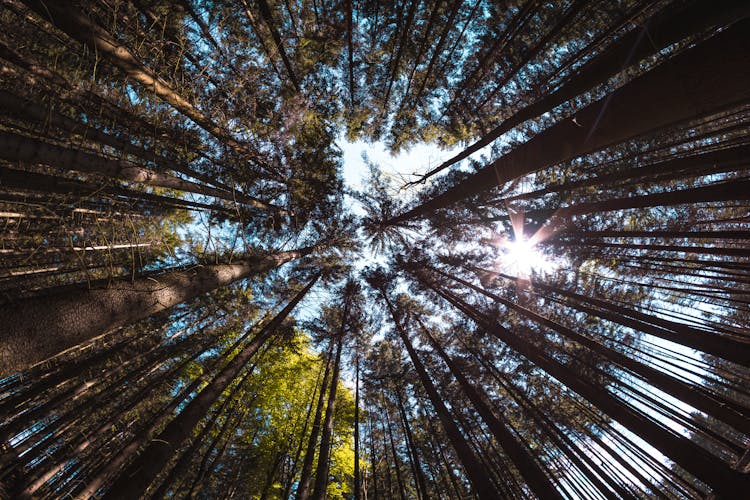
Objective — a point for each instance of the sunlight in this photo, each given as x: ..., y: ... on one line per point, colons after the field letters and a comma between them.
x: 521, y: 257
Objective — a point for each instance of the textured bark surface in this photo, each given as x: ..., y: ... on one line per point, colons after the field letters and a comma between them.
x: 76, y: 25
x: 35, y: 329
x: 718, y: 475
x: 14, y: 147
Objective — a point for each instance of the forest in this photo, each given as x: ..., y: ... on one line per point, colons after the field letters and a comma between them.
x: 196, y: 301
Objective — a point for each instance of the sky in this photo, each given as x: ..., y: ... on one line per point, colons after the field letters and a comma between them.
x: 418, y: 159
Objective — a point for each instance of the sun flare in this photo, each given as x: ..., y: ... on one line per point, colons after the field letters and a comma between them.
x: 522, y: 257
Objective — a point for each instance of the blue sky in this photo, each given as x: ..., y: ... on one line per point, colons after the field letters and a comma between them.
x: 419, y: 159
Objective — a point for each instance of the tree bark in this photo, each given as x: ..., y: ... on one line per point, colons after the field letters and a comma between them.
x: 38, y: 328
x: 357, y: 478
x: 303, y: 489
x: 660, y: 31
x: 321, y: 474
x: 691, y: 394
x: 15, y: 147
x: 78, y: 26
x: 720, y: 477
x: 519, y: 454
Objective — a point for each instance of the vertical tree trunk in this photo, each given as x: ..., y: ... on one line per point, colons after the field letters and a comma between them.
x: 416, y: 465
x: 392, y: 441
x: 472, y: 466
x: 357, y: 479
x: 295, y: 461
x: 321, y: 474
x: 373, y: 461
x: 719, y: 76
x: 303, y: 489
x: 75, y: 24
x: 688, y: 455
x: 519, y: 454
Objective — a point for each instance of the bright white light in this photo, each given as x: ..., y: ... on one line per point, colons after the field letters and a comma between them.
x: 521, y: 257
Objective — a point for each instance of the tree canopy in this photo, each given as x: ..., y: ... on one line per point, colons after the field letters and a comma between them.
x: 196, y: 303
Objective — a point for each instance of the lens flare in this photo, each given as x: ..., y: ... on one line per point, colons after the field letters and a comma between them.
x: 522, y: 257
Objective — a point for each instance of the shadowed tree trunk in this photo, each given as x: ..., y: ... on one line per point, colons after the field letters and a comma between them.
x: 357, y: 479
x: 40, y: 327
x: 321, y: 474
x: 731, y: 349
x: 78, y: 26
x: 472, y: 467
x: 689, y: 393
x: 416, y: 465
x: 303, y: 489
x: 14, y: 147
x: 267, y: 15
x: 45, y: 116
x: 688, y: 455
x: 300, y: 447
x: 659, y: 32
x: 517, y: 452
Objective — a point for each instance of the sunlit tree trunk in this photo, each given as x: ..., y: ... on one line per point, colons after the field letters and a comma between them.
x: 321, y: 473
x: 688, y: 455
x: 303, y: 489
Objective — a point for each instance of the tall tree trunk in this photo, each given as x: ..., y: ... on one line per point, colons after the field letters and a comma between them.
x: 187, y: 456
x: 719, y: 76
x: 267, y: 15
x: 416, y: 465
x: 45, y: 116
x: 15, y: 147
x: 303, y: 489
x: 472, y: 466
x: 689, y: 393
x: 519, y: 454
x: 136, y: 478
x: 78, y: 26
x: 392, y: 441
x: 295, y: 461
x: 731, y: 349
x: 357, y: 478
x: 321, y: 474
x: 660, y: 31
x: 38, y: 328
x: 688, y: 455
